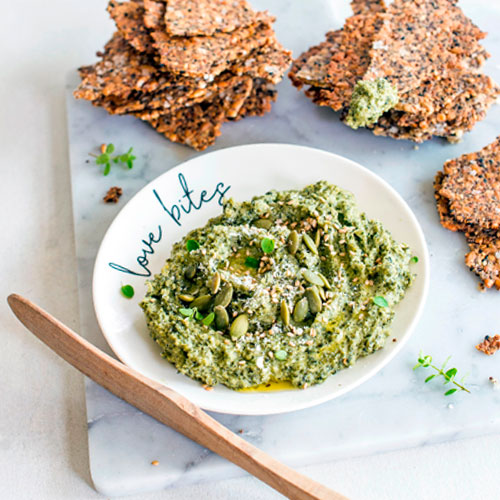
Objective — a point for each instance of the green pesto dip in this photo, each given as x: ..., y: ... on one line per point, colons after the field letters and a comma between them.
x: 370, y: 100
x: 290, y: 286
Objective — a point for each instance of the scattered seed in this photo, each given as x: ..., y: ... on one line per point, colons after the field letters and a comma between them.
x: 190, y: 272
x: 312, y: 277
x: 225, y: 295
x: 314, y: 300
x: 263, y: 223
x: 293, y: 242
x: 326, y: 283
x: 155, y: 463
x: 221, y: 318
x: 239, y: 326
x: 317, y: 238
x: 186, y: 297
x: 301, y: 310
x: 215, y: 283
x: 202, y: 302
x: 285, y: 313
x: 309, y: 243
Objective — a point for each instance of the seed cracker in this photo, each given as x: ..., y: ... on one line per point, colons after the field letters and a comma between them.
x: 367, y: 6
x: 421, y: 39
x: 484, y: 257
x: 206, y: 17
x: 209, y: 56
x: 129, y: 19
x: 472, y: 186
x: 259, y: 102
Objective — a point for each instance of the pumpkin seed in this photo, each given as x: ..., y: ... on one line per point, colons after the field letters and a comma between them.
x: 321, y: 293
x: 325, y: 281
x: 215, y: 283
x: 293, y: 242
x: 300, y: 310
x: 314, y: 300
x: 186, y: 298
x: 312, y: 277
x: 239, y: 326
x: 317, y: 238
x: 202, y: 302
x: 221, y: 318
x: 225, y: 295
x: 309, y: 243
x: 285, y: 313
x: 263, y: 223
x: 190, y: 272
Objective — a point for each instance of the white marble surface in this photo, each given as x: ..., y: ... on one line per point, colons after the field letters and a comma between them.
x: 393, y: 410
x: 43, y: 449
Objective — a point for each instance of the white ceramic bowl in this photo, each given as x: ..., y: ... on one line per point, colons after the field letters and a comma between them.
x: 141, y: 236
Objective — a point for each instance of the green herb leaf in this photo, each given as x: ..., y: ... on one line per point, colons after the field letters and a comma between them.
x: 267, y: 245
x: 450, y: 392
x: 280, y: 355
x: 188, y: 312
x: 450, y: 374
x: 429, y: 378
x: 380, y: 301
x: 198, y: 315
x: 445, y: 362
x: 252, y: 262
x: 110, y: 148
x: 128, y: 291
x: 107, y: 168
x: 209, y: 319
x: 414, y: 259
x: 192, y: 245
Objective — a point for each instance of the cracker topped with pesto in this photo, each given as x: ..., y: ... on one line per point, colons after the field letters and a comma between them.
x: 291, y: 286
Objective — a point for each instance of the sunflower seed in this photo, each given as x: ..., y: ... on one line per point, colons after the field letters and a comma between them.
x: 300, y: 310
x: 221, y: 318
x: 309, y: 243
x: 225, y: 295
x: 239, y: 326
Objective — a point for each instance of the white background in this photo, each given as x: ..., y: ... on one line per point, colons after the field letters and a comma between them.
x: 43, y: 437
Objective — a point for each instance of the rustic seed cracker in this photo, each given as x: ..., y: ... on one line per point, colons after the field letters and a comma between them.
x: 154, y: 12
x: 484, y: 257
x: 259, y: 102
x: 206, y: 17
x: 490, y: 345
x: 208, y: 56
x: 366, y: 6
x: 446, y: 218
x: 472, y: 185
x: 420, y: 40
x: 129, y: 19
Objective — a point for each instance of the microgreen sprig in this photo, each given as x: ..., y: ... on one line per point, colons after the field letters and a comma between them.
x: 106, y: 159
x: 448, y: 375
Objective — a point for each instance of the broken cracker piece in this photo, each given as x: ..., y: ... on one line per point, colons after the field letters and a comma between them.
x: 490, y: 345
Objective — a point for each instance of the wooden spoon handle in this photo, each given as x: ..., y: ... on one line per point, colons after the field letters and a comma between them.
x: 164, y: 404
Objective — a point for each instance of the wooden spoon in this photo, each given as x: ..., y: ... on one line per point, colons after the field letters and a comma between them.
x: 164, y: 404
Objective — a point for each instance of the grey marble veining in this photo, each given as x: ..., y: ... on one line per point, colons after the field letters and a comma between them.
x: 394, y: 409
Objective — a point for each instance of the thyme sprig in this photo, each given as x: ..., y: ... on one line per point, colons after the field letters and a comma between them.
x: 448, y: 375
x: 106, y: 159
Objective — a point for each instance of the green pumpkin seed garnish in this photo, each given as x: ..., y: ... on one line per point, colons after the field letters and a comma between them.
x: 314, y: 300
x: 190, y: 272
x: 309, y: 243
x: 225, y: 295
x: 186, y: 298
x: 326, y: 283
x: 239, y: 326
x: 311, y: 277
x: 202, y: 302
x: 263, y: 223
x: 301, y: 310
x: 321, y: 293
x: 215, y: 283
x: 285, y: 313
x: 221, y: 318
x: 293, y: 242
x: 317, y: 238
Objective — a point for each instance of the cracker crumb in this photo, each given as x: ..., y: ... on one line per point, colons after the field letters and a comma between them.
x: 113, y: 194
x: 155, y: 463
x: 490, y: 345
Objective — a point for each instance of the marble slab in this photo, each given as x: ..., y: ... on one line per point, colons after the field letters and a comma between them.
x: 394, y: 409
